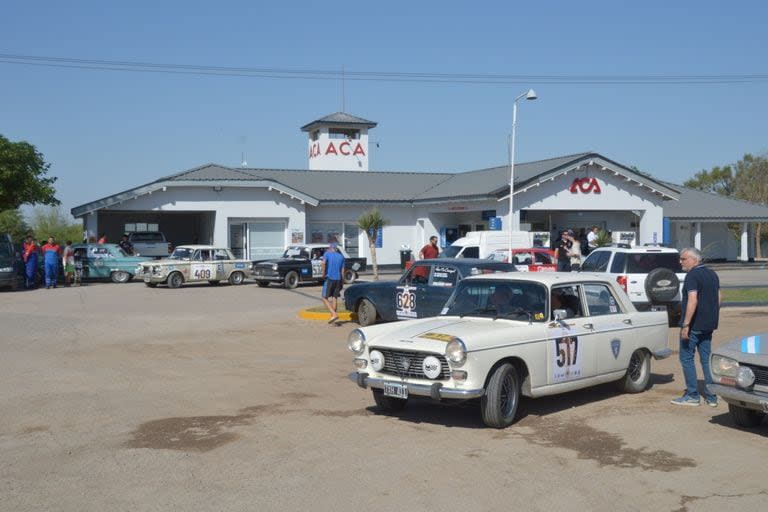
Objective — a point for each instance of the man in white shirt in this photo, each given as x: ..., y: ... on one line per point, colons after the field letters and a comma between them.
x: 592, y: 238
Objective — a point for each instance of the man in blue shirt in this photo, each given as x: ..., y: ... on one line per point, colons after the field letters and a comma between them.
x: 333, y: 268
x: 701, y: 312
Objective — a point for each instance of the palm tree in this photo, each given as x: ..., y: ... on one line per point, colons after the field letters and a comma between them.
x: 370, y: 222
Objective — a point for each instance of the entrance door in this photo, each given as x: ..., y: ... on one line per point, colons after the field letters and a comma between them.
x: 265, y: 240
x: 237, y: 239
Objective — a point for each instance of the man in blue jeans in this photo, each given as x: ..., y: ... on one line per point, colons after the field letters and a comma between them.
x: 701, y: 312
x: 333, y: 270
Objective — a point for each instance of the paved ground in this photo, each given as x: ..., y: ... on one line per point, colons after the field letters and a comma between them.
x: 119, y: 397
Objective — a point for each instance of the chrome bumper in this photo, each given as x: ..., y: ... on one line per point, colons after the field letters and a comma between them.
x: 735, y: 396
x: 662, y: 354
x: 436, y: 391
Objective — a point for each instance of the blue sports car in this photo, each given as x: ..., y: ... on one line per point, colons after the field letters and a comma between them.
x: 420, y: 292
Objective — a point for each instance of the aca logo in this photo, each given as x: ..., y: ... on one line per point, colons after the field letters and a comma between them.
x: 585, y: 186
x: 345, y: 148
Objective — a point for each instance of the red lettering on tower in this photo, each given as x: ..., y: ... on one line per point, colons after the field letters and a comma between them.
x: 343, y: 148
x: 359, y: 150
x: 331, y: 149
x: 585, y: 186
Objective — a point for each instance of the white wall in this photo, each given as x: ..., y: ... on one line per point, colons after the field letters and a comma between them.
x: 249, y: 203
x: 320, y: 158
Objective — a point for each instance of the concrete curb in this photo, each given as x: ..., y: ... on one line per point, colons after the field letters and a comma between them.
x: 321, y: 314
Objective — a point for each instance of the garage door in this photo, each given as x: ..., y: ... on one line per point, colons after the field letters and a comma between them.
x: 266, y: 240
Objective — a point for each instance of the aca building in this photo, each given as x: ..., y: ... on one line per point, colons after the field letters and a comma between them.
x: 257, y: 212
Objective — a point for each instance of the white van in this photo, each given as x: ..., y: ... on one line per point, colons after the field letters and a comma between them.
x: 481, y: 244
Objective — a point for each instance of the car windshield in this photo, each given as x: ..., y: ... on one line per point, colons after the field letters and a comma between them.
x: 147, y: 237
x: 514, y: 300
x: 182, y: 253
x: 450, y: 251
x: 295, y: 252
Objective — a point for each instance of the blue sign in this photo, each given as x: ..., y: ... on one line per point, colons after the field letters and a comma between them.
x: 494, y: 224
x: 487, y: 214
x: 379, y: 237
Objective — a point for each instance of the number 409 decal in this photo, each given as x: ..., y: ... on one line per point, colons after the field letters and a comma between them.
x: 203, y: 273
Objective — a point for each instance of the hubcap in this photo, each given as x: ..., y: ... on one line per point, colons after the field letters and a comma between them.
x: 635, y: 367
x: 508, y: 396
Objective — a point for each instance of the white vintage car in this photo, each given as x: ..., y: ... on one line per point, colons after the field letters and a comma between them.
x: 195, y: 263
x: 500, y: 336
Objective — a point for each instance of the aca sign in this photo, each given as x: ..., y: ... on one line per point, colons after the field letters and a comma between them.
x: 585, y: 186
x: 345, y: 148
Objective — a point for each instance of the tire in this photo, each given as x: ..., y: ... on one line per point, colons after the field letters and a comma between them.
x: 366, y: 313
x: 236, y: 278
x: 638, y: 373
x: 388, y: 403
x: 151, y: 285
x: 745, y: 417
x: 120, y: 276
x: 502, y: 397
x: 175, y: 280
x: 349, y: 276
x: 291, y: 280
x: 262, y: 284
x: 661, y: 285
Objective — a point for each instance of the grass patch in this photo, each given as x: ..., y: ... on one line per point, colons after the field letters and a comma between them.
x: 745, y: 295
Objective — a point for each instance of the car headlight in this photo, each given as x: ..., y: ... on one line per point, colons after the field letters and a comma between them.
x: 356, y: 341
x: 274, y: 266
x: 6, y: 269
x: 156, y: 269
x: 456, y: 352
x: 377, y: 360
x: 745, y: 377
x: 724, y: 366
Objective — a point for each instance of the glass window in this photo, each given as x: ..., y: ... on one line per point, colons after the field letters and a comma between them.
x: 181, y: 253
x: 642, y: 263
x: 147, y: 237
x: 130, y: 228
x: 418, y: 274
x: 220, y: 254
x: 471, y: 252
x: 343, y: 133
x: 514, y: 300
x: 596, y: 262
x: 600, y: 300
x: 544, y: 258
x: 266, y: 240
x: 444, y: 276
x: 619, y: 260
x: 567, y: 298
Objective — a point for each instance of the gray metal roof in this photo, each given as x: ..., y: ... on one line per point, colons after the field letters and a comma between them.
x: 696, y: 205
x: 340, y: 119
x: 333, y: 187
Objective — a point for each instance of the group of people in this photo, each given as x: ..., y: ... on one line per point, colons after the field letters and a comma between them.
x: 51, y: 252
x: 569, y: 248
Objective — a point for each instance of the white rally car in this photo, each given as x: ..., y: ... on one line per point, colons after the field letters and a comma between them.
x: 501, y: 336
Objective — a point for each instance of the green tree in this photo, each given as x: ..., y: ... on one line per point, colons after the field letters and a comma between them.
x: 12, y: 222
x: 23, y: 176
x: 53, y: 222
x: 370, y: 222
x: 720, y: 180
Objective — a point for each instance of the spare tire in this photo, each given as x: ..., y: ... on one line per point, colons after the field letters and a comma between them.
x: 661, y: 285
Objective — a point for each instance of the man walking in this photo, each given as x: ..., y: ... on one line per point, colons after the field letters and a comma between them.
x: 701, y: 312
x: 431, y: 250
x: 333, y: 268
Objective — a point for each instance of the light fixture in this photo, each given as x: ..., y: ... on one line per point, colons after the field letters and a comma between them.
x: 530, y: 95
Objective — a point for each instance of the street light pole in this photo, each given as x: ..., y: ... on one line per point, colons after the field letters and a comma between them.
x: 529, y: 95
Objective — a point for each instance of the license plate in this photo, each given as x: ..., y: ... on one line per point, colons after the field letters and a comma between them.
x: 395, y: 390
x: 658, y: 308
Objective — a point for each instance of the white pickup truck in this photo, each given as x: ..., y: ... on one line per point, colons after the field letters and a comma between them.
x: 151, y: 244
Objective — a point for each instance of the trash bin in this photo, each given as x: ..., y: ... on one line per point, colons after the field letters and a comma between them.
x: 405, y: 256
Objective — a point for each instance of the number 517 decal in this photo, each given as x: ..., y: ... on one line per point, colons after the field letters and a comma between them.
x: 567, y: 359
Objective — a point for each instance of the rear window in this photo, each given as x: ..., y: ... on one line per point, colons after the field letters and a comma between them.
x: 645, y: 262
x: 596, y: 262
x: 147, y: 237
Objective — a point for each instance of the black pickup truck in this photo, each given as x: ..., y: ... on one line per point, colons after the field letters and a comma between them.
x: 302, y: 264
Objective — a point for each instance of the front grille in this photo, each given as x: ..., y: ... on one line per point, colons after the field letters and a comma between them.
x: 393, y: 360
x: 761, y: 373
x: 145, y: 269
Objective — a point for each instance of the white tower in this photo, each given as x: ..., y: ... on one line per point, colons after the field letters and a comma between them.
x: 338, y: 142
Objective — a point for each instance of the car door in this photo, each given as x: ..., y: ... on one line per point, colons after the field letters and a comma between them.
x: 435, y: 294
x: 408, y: 296
x: 98, y: 260
x: 571, y: 342
x: 201, y: 267
x: 611, y: 323
x: 223, y: 263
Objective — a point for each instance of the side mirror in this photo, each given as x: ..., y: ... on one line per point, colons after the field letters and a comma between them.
x: 560, y: 314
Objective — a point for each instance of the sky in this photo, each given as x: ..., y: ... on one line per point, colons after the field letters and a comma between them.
x: 618, y: 86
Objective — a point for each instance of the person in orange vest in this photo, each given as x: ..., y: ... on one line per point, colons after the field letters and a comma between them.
x: 51, y: 255
x: 103, y: 238
x: 29, y: 254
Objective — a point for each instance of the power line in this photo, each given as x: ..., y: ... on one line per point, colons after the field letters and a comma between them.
x: 371, y: 76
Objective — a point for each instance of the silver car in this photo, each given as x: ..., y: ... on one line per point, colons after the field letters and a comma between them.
x: 740, y: 372
x: 195, y: 263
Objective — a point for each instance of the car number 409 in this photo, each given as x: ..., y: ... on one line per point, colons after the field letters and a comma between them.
x: 203, y: 274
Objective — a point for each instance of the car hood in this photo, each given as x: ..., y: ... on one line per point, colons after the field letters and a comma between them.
x: 432, y: 334
x: 749, y: 349
x: 361, y: 288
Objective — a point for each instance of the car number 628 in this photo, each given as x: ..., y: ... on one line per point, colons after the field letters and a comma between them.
x: 406, y: 300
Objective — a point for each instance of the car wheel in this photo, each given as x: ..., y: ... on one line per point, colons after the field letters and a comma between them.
x: 638, y: 373
x: 151, y: 285
x: 120, y: 276
x: 349, y: 276
x: 236, y: 278
x: 661, y: 285
x: 366, y: 313
x: 388, y: 403
x: 291, y: 280
x: 262, y: 284
x: 175, y: 280
x: 501, y: 398
x: 745, y: 417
